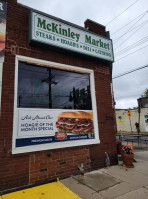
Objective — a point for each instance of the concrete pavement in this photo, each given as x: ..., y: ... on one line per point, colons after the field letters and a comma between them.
x: 116, y: 182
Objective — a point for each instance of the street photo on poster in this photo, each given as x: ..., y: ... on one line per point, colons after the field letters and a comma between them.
x: 146, y: 122
x: 3, y: 10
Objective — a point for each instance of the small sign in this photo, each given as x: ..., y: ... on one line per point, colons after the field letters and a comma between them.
x: 120, y: 119
x: 129, y: 114
x: 60, y: 135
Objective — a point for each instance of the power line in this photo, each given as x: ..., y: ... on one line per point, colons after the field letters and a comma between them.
x: 134, y: 45
x: 128, y: 38
x: 133, y: 28
x: 129, y: 49
x: 132, y: 53
x: 130, y: 29
x: 122, y: 12
x: 128, y: 23
x: 131, y: 71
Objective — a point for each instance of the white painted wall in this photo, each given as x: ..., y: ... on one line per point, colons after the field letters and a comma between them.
x: 125, y: 125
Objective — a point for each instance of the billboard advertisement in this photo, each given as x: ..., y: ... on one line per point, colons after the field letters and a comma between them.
x: 51, y: 126
x: 3, y: 11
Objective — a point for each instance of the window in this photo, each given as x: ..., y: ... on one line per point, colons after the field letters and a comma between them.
x: 44, y: 87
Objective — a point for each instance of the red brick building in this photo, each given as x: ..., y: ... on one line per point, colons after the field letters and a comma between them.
x: 40, y: 80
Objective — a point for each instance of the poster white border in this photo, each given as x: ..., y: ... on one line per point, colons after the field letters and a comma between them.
x: 17, y: 150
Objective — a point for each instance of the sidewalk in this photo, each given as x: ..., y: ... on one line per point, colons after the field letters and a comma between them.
x: 116, y: 182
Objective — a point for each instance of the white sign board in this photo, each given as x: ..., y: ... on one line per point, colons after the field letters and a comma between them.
x: 48, y: 30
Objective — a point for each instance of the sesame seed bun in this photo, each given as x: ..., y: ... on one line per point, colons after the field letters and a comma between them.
x: 2, y: 41
x: 2, y: 37
x: 68, y: 115
x: 83, y: 114
x: 77, y: 114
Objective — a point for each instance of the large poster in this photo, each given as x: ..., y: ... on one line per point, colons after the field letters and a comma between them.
x: 49, y: 126
x: 54, y: 108
x: 146, y: 122
x: 3, y: 9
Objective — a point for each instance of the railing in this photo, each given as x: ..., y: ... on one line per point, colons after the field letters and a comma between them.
x: 133, y: 138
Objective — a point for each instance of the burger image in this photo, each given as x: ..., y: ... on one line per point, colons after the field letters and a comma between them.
x: 79, y: 122
x: 2, y: 40
x: 2, y: 44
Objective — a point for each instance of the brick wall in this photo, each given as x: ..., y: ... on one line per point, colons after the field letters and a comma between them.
x: 95, y: 27
x: 57, y: 163
x: 39, y: 167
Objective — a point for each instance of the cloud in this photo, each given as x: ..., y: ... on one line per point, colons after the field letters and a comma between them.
x: 126, y: 104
